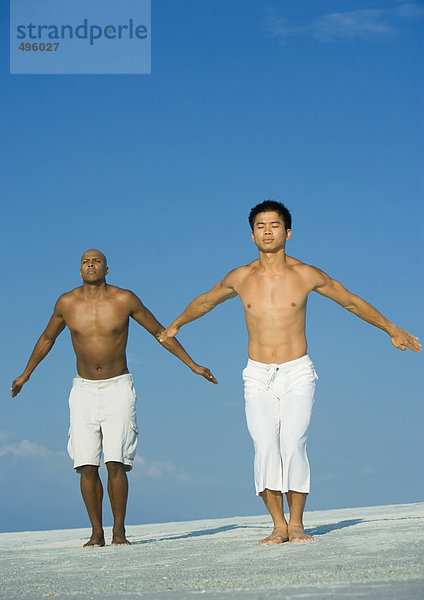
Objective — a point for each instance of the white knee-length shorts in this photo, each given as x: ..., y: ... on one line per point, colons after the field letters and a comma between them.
x: 103, y: 417
x: 279, y: 401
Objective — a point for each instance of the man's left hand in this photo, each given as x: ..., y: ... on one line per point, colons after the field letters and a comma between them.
x: 204, y: 372
x: 402, y: 339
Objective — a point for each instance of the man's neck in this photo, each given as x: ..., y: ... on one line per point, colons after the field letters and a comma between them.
x: 92, y: 291
x: 272, y: 261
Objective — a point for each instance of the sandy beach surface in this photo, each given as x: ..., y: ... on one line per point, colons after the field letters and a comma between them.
x: 374, y: 552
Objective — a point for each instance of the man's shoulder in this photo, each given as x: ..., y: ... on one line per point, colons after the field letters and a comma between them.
x: 117, y: 291
x: 66, y: 301
x: 113, y: 291
x: 244, y: 270
x: 121, y: 294
x: 309, y: 272
x: 298, y: 264
x: 70, y: 296
x: 239, y: 273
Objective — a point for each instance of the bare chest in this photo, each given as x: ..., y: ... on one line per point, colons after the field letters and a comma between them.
x: 273, y: 294
x: 103, y: 319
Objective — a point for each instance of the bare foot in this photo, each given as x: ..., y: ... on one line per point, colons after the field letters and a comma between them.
x: 97, y: 540
x: 278, y: 536
x: 119, y: 539
x: 297, y: 534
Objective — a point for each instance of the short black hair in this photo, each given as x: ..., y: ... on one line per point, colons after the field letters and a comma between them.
x: 271, y: 206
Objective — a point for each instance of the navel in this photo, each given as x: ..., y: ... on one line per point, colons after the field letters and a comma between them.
x: 292, y: 303
x: 248, y: 306
x: 99, y: 369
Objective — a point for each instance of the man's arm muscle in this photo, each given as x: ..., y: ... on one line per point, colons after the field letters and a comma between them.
x: 203, y: 304
x: 43, y: 346
x: 330, y: 288
x: 146, y: 319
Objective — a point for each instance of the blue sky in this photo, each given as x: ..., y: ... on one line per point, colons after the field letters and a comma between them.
x: 318, y: 105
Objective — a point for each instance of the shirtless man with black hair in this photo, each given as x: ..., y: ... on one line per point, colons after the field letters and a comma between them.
x: 279, y: 380
x: 102, y: 400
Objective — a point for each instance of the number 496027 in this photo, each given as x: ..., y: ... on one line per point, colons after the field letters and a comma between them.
x: 39, y: 47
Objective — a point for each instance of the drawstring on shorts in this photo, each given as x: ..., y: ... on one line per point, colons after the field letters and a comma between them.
x: 272, y: 370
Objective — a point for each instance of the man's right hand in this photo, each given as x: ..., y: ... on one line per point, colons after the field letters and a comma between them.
x: 170, y: 332
x: 17, y: 384
x: 402, y: 339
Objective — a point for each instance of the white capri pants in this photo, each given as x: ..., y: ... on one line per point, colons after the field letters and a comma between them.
x: 279, y: 401
x: 103, y: 417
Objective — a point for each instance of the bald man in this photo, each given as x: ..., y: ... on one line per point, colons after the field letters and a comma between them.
x: 102, y: 400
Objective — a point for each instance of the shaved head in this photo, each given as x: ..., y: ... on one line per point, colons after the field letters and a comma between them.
x: 94, y: 252
x: 93, y: 267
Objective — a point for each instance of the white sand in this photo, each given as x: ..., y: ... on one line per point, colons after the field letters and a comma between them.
x: 374, y: 552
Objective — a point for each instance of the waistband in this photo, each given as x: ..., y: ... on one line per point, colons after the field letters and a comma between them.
x: 269, y: 370
x: 78, y: 380
x: 305, y: 359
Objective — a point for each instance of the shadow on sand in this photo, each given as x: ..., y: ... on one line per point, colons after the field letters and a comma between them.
x: 192, y: 534
x: 320, y: 530
x: 323, y: 529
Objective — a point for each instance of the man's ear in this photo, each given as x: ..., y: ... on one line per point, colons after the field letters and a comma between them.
x: 107, y: 270
x: 288, y: 236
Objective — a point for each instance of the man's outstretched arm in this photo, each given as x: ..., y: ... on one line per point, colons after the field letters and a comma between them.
x: 336, y: 291
x: 146, y: 319
x: 201, y: 305
x: 43, y: 346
